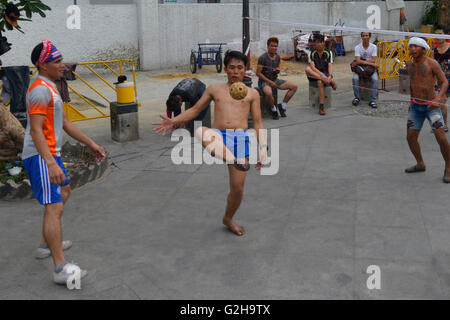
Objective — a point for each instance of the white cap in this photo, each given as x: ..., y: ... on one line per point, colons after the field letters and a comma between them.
x: 419, y: 42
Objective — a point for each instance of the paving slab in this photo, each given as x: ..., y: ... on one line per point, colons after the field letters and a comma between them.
x: 150, y: 229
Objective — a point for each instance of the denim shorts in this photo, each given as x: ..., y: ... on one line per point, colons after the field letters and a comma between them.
x: 419, y: 112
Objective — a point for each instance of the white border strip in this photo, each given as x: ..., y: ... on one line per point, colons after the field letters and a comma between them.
x: 352, y: 29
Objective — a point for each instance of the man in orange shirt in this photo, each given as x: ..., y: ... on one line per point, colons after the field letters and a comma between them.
x: 41, y: 155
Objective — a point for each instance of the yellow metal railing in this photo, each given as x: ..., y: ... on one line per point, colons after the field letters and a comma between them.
x: 75, y: 114
x: 392, y: 55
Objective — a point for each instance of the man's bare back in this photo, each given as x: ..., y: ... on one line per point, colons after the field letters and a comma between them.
x: 228, y: 112
x: 422, y: 76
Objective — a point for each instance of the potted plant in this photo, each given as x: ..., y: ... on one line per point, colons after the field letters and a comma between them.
x: 430, y: 17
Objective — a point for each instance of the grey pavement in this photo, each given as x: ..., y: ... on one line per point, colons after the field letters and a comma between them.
x: 340, y: 203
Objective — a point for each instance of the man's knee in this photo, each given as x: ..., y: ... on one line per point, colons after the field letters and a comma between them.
x: 440, y: 136
x: 199, y: 132
x: 412, y: 136
x: 268, y: 92
x: 54, y: 210
x: 374, y: 77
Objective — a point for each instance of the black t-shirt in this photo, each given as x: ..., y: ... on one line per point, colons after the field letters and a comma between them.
x: 321, y: 61
x: 190, y: 90
x: 444, y: 61
x: 269, y: 65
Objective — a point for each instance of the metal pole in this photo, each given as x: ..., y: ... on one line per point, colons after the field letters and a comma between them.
x: 246, y: 30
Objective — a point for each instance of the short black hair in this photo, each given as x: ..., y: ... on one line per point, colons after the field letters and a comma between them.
x: 443, y: 28
x: 36, y: 53
x: 173, y: 103
x: 370, y: 33
x: 233, y: 54
x: 318, y: 37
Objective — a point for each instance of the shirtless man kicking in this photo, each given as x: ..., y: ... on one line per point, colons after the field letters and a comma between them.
x: 426, y: 104
x: 228, y: 132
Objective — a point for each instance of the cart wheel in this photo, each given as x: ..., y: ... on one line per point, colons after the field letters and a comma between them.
x: 193, y: 63
x: 219, y: 63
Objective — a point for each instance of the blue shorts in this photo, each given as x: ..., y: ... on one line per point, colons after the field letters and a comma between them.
x: 44, y: 191
x: 236, y: 141
x: 419, y: 112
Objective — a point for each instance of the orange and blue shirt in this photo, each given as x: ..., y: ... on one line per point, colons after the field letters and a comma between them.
x: 43, y: 98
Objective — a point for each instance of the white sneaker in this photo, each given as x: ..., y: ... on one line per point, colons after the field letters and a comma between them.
x: 68, y: 270
x: 42, y: 253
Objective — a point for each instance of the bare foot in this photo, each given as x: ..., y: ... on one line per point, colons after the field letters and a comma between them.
x: 236, y: 229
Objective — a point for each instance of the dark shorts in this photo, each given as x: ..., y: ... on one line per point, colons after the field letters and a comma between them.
x: 420, y: 112
x: 44, y: 191
x: 262, y: 84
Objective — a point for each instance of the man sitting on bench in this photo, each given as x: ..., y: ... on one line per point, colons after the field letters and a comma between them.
x: 267, y: 72
x: 365, y: 55
x: 320, y: 69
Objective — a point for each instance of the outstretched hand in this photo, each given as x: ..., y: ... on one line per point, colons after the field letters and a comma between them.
x: 164, y: 126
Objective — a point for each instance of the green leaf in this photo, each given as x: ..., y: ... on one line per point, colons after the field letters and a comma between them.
x: 19, y: 29
x: 41, y: 13
x: 42, y: 6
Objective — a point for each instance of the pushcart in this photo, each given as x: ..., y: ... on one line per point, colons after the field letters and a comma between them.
x: 207, y: 54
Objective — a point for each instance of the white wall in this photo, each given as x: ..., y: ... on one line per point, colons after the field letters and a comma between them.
x: 183, y: 26
x: 162, y: 35
x: 107, y: 31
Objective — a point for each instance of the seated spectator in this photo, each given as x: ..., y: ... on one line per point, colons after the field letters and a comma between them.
x: 320, y: 69
x: 267, y: 72
x: 365, y: 55
x: 442, y: 56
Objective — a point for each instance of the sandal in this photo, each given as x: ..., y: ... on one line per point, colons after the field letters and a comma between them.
x: 415, y: 169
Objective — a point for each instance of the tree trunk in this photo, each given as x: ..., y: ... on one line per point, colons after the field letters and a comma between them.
x: 11, y: 135
x: 444, y: 13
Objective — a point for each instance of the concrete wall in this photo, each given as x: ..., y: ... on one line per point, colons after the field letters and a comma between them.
x: 162, y: 35
x: 107, y: 31
x: 182, y: 26
x: 414, y: 13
